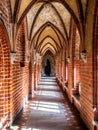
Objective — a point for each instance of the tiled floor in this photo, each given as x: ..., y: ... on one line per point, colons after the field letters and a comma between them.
x: 49, y: 110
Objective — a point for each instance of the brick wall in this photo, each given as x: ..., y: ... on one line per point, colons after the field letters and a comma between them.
x: 86, y: 90
x: 19, y: 74
x: 87, y: 73
x: 31, y: 78
x: 95, y: 57
x: 5, y: 13
x: 84, y: 74
x: 4, y: 77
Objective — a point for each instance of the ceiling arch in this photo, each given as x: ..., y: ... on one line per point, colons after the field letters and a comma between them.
x: 48, y: 50
x: 48, y: 12
x: 51, y: 47
x: 25, y: 6
x: 55, y: 28
x: 32, y: 15
x: 48, y: 45
x: 48, y: 39
x: 70, y: 5
x: 49, y: 31
x: 57, y: 12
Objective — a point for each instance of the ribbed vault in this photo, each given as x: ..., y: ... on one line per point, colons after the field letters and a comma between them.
x: 48, y: 36
x: 49, y: 21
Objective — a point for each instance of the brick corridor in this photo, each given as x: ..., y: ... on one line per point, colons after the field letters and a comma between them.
x: 49, y: 110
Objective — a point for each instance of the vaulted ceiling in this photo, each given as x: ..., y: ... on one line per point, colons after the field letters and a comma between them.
x: 49, y: 21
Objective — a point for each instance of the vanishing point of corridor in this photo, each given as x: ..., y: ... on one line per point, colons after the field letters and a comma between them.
x: 49, y: 109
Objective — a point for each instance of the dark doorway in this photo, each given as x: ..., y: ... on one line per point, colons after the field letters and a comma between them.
x: 48, y: 68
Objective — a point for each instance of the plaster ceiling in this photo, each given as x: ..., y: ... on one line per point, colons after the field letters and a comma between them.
x: 23, y: 5
x: 47, y: 14
x: 31, y: 15
x: 13, y: 5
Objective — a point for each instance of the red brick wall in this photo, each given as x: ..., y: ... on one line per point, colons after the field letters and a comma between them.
x: 84, y: 73
x: 4, y: 76
x: 31, y: 82
x: 95, y: 58
x: 86, y: 90
x: 20, y: 74
x: 76, y: 71
x: 89, y: 79
x: 5, y: 12
x: 77, y: 58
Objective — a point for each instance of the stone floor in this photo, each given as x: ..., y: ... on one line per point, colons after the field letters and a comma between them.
x: 49, y: 110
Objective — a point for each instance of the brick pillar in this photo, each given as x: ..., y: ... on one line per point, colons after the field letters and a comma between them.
x: 95, y: 65
x: 5, y: 90
x: 76, y: 88
x: 39, y: 67
x: 71, y: 62
x: 35, y: 76
x: 30, y: 77
x: 57, y: 67
x: 60, y: 68
x: 39, y: 70
x: 63, y: 68
x: 70, y: 79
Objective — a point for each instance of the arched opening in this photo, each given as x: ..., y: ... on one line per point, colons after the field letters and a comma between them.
x: 48, y: 68
x: 48, y: 64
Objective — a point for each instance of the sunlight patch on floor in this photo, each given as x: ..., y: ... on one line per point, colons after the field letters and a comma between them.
x: 17, y: 128
x: 45, y: 106
x: 49, y: 94
x: 49, y: 110
x: 30, y: 129
x: 14, y: 127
